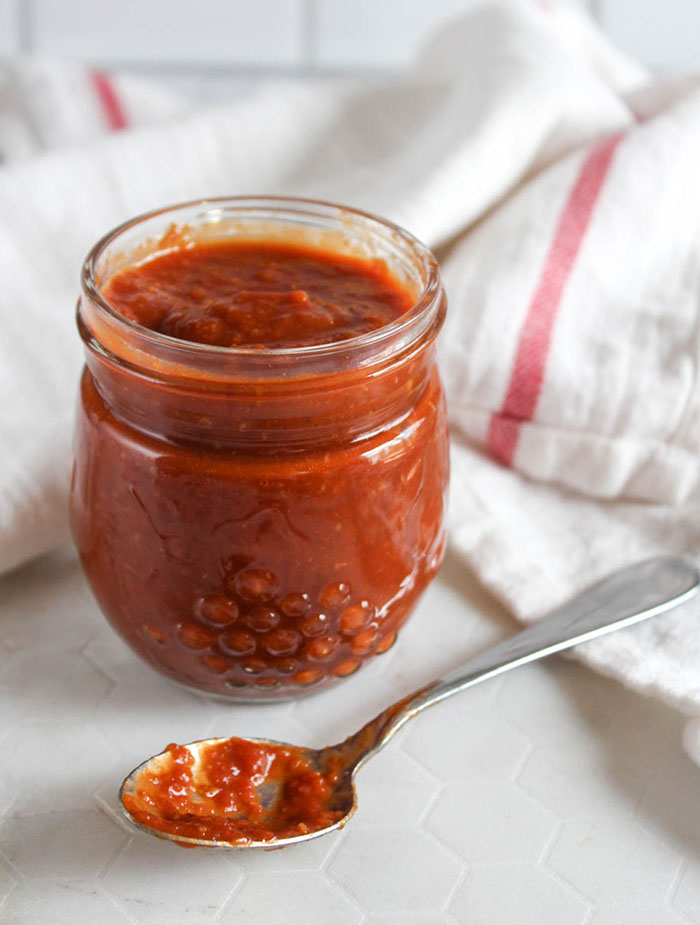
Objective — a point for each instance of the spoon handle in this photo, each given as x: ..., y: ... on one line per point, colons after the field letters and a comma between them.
x: 626, y: 597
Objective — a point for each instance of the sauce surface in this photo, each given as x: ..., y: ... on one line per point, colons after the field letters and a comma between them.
x: 233, y: 294
x: 234, y: 791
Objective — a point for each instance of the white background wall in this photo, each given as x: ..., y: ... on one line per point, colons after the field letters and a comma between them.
x: 218, y: 37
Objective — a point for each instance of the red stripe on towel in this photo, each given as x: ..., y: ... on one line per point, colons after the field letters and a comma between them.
x: 111, y: 106
x: 527, y: 375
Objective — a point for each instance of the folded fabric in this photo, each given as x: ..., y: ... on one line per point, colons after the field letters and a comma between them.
x: 558, y: 180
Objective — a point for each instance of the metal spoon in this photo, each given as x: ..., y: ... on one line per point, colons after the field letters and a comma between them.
x: 626, y: 597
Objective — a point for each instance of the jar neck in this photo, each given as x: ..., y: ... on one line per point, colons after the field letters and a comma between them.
x: 278, y: 413
x: 245, y: 397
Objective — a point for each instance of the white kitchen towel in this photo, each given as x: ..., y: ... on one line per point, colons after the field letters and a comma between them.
x: 560, y: 182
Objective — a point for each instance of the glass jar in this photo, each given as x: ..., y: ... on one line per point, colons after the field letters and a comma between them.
x: 257, y: 523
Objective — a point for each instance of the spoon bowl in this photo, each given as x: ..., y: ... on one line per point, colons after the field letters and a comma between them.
x: 258, y: 793
x: 344, y: 799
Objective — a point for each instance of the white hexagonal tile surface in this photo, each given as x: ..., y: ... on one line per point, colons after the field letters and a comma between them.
x: 687, y: 895
x: 407, y: 918
x: 632, y: 914
x: 60, y: 844
x: 532, y: 895
x: 66, y: 902
x: 394, y: 788
x: 611, y: 856
x: 159, y: 883
x: 289, y: 898
x: 415, y: 872
x: 549, y: 795
x: 485, y: 821
x: 86, y: 758
x: 8, y: 879
x: 571, y: 785
x: 482, y: 744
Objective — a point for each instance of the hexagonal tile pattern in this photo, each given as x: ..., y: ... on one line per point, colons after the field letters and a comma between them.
x: 672, y: 802
x: 556, y: 704
x: 28, y: 613
x: 8, y: 794
x: 490, y: 822
x: 393, y: 788
x: 42, y: 683
x: 384, y: 886
x: 174, y: 715
x: 8, y: 879
x: 62, y: 903
x: 289, y: 899
x: 107, y: 652
x: 88, y: 761
x: 631, y: 914
x: 407, y: 918
x: 531, y: 894
x: 482, y: 744
x: 549, y: 795
x: 571, y: 785
x: 687, y: 894
x: 611, y: 858
x: 63, y: 843
x: 158, y: 883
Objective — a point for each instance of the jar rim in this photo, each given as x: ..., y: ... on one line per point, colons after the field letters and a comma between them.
x: 371, y: 341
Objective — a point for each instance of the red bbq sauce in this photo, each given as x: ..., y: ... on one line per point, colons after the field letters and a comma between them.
x: 224, y: 795
x: 232, y: 294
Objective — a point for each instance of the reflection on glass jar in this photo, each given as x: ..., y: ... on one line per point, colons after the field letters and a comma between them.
x: 257, y: 523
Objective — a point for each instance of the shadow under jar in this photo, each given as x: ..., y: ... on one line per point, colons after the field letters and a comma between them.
x: 257, y: 522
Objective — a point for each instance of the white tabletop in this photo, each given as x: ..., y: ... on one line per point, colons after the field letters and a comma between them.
x: 550, y: 796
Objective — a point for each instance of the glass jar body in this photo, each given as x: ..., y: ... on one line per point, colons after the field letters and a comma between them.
x: 259, y: 536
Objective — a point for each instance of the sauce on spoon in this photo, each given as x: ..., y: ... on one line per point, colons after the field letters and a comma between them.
x: 233, y: 791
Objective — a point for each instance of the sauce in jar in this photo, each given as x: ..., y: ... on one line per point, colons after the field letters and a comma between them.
x: 233, y: 294
x: 261, y: 452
